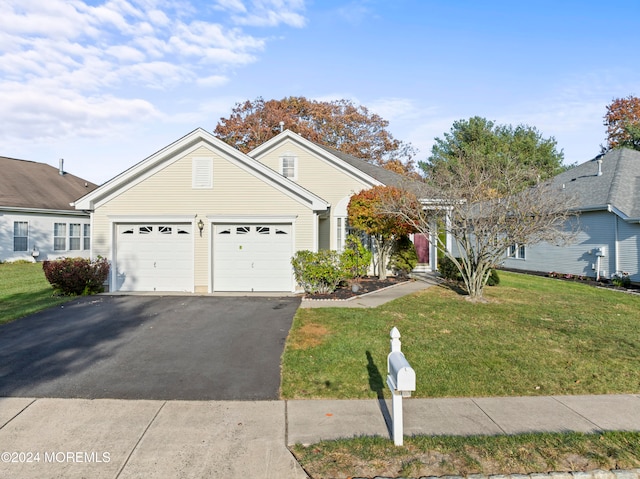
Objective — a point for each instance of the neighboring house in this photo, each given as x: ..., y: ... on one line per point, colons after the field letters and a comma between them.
x: 607, y: 193
x: 200, y: 216
x: 37, y: 221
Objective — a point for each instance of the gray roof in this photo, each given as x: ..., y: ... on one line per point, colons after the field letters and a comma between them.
x: 618, y: 186
x: 384, y: 176
x: 28, y: 184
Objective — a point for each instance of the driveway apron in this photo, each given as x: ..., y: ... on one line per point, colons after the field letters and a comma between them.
x: 149, y: 347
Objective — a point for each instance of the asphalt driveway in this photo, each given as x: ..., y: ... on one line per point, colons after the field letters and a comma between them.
x: 148, y: 347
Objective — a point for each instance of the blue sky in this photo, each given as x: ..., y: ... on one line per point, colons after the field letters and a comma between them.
x: 104, y: 84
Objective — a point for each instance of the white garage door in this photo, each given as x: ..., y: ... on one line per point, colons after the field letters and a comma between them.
x: 154, y: 257
x: 250, y: 257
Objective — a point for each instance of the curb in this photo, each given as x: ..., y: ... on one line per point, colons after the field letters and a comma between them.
x: 595, y: 474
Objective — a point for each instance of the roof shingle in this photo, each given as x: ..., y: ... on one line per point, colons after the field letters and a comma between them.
x: 28, y: 184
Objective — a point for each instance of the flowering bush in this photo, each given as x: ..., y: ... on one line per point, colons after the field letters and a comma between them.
x: 77, y: 276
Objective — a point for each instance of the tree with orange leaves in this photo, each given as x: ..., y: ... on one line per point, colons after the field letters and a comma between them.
x: 366, y: 213
x: 339, y: 124
x: 623, y: 123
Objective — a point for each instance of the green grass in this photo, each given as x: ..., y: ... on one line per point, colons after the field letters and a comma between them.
x: 533, y: 336
x: 24, y: 290
x: 423, y: 456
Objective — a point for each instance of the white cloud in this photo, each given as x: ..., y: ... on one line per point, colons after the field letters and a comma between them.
x: 74, y: 67
x: 265, y: 13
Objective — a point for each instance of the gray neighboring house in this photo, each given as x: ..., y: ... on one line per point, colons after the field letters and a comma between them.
x: 607, y: 190
x: 37, y: 221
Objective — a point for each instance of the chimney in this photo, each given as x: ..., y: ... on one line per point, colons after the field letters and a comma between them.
x: 61, y: 167
x: 599, y: 162
x: 281, y: 126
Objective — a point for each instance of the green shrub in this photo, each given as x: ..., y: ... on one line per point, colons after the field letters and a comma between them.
x: 403, y: 256
x: 448, y: 269
x: 319, y: 272
x: 77, y: 276
x: 494, y: 278
x: 622, y: 280
x: 355, y: 259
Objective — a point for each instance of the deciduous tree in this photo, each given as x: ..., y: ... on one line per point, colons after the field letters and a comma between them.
x: 484, y: 191
x: 366, y: 213
x: 623, y: 123
x: 339, y: 124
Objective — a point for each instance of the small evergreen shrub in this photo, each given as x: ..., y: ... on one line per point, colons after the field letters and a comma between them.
x: 448, y: 269
x: 319, y: 272
x: 77, y: 276
x: 494, y: 278
x: 403, y: 256
x: 355, y: 259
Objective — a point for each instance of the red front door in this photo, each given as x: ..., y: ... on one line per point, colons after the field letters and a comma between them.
x: 422, y: 247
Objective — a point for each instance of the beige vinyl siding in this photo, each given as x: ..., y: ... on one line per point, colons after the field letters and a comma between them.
x: 234, y: 192
x: 318, y: 176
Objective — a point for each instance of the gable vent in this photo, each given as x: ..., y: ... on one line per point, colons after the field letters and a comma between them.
x: 202, y: 172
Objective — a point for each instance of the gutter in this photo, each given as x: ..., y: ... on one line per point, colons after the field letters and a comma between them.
x: 18, y: 209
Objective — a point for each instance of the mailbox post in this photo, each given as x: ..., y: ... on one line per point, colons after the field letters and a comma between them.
x: 401, y: 379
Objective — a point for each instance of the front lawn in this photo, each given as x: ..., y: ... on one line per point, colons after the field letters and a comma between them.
x: 24, y: 290
x: 534, y: 336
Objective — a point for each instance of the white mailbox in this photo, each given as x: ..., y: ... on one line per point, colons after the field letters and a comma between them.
x: 402, y: 377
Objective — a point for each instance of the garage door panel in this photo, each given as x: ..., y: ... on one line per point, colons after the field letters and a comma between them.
x: 252, y: 257
x: 154, y: 257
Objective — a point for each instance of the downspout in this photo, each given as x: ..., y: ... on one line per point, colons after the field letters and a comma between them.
x: 616, y: 250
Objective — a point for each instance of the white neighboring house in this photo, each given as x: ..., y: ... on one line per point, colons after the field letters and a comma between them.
x: 37, y: 219
x: 607, y: 191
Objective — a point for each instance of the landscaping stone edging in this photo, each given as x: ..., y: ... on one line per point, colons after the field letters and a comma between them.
x: 358, y: 295
x: 595, y: 474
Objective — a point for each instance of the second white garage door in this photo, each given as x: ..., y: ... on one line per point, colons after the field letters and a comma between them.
x: 252, y: 257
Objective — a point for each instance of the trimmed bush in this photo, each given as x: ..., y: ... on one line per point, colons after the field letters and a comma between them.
x: 494, y: 278
x: 403, y: 256
x: 448, y: 269
x: 319, y: 272
x: 77, y: 276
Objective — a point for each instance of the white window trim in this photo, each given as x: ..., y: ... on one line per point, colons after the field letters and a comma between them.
x: 25, y: 236
x: 295, y: 166
x: 516, y: 247
x: 63, y: 236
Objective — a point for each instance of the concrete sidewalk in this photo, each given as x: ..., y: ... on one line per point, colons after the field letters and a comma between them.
x: 117, y: 439
x: 312, y: 421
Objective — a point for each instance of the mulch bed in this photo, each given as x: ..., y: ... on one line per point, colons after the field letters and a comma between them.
x: 368, y: 284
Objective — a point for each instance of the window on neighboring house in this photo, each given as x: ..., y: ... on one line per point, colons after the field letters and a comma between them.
x: 74, y: 236
x: 86, y: 237
x: 516, y: 251
x: 59, y: 236
x: 20, y: 236
x: 288, y: 167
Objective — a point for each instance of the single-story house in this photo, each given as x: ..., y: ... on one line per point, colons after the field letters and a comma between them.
x: 606, y: 191
x: 37, y: 219
x: 201, y: 216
